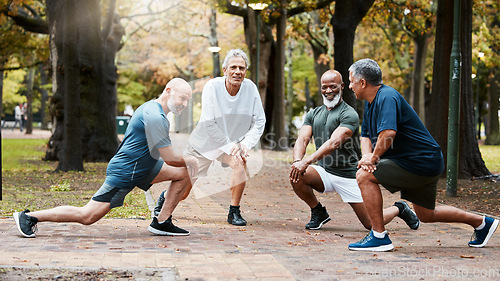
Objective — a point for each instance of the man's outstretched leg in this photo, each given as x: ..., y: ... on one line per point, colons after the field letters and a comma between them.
x: 26, y: 221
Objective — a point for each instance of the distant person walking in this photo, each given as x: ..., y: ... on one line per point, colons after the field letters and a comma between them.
x: 400, y: 154
x: 144, y: 157
x: 18, y: 116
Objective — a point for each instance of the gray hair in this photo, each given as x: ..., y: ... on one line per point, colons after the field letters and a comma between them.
x: 367, y: 69
x: 235, y: 53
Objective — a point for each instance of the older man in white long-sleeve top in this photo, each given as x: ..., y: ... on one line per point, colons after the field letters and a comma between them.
x: 231, y: 123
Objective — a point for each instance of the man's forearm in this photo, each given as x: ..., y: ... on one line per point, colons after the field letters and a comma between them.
x: 384, y: 142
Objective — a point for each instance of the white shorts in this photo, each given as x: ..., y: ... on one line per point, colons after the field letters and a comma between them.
x: 347, y: 188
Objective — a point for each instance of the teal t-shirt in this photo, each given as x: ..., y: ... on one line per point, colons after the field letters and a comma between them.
x: 147, y: 131
x: 341, y: 162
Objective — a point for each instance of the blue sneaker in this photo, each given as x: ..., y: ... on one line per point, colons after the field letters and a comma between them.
x: 372, y: 243
x: 481, y: 237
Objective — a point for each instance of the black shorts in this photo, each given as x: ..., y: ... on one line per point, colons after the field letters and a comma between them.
x: 417, y: 189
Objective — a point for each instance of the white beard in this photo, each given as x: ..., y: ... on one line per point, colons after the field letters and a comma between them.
x: 332, y: 103
x: 174, y: 109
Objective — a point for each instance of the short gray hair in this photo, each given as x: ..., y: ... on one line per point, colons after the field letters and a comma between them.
x: 367, y: 69
x: 235, y: 53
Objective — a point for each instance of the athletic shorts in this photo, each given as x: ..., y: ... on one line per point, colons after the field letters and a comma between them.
x: 347, y: 188
x: 203, y: 163
x: 116, y: 195
x: 417, y: 189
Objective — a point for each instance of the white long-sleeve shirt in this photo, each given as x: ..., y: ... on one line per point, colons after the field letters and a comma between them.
x: 227, y: 120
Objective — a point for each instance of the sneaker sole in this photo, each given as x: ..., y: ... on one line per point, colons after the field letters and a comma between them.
x: 16, y: 218
x: 383, y: 248
x: 320, y: 225
x: 165, y: 233
x: 493, y: 228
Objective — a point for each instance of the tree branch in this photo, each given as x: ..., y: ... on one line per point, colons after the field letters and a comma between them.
x: 21, y: 66
x: 29, y: 23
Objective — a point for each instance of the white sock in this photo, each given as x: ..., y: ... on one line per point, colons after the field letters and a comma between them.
x: 482, y: 224
x: 379, y: 235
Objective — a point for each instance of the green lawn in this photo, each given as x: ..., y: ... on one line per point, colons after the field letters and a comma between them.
x: 491, y: 157
x: 29, y: 182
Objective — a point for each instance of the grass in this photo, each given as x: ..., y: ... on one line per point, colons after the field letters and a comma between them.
x: 491, y: 156
x: 29, y: 182
x: 23, y: 154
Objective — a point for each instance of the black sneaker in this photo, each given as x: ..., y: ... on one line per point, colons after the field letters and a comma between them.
x: 319, y: 216
x: 234, y: 217
x: 166, y: 228
x: 407, y: 215
x: 25, y: 224
x: 159, y: 204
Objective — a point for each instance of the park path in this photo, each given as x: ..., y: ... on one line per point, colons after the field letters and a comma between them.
x: 274, y: 245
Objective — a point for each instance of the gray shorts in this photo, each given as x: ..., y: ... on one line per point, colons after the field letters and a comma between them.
x: 116, y: 195
x: 203, y: 163
x: 417, y: 189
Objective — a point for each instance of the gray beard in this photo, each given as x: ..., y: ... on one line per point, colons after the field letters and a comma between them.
x: 171, y: 105
x: 333, y: 103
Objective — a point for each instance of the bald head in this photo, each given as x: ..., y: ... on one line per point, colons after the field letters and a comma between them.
x: 333, y: 75
x: 179, y: 85
x: 175, y: 96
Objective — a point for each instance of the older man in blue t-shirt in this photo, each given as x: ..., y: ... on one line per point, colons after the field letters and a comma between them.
x: 144, y: 157
x: 400, y: 154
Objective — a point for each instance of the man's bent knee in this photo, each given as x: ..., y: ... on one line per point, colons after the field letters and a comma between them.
x: 93, y: 212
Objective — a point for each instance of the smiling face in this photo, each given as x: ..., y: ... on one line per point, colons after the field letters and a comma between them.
x: 331, y: 88
x: 355, y: 84
x: 235, y: 71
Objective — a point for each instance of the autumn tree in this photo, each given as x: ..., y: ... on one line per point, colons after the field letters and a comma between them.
x: 471, y: 163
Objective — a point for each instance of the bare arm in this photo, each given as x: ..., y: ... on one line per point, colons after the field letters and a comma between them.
x: 338, y: 137
x: 370, y: 159
x: 176, y: 160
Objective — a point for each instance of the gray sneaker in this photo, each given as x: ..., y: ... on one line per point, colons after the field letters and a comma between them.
x: 408, y: 215
x: 25, y: 224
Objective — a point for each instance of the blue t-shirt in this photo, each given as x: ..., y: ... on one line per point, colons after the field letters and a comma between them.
x: 413, y: 148
x: 147, y: 131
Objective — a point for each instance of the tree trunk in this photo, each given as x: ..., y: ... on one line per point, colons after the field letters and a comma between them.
x: 440, y: 77
x: 96, y: 51
x: 44, y: 95
x: 72, y: 146
x: 348, y: 14
x: 29, y: 101
x: 214, y: 42
x: 279, y: 94
x: 265, y: 45
x: 470, y: 161
x: 493, y: 136
x: 417, y: 90
x: 319, y: 68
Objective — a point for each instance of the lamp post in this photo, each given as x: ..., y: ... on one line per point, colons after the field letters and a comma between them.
x: 215, y: 56
x: 257, y: 7
x: 454, y: 106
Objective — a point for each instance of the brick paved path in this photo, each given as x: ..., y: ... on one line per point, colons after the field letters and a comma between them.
x: 274, y: 246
